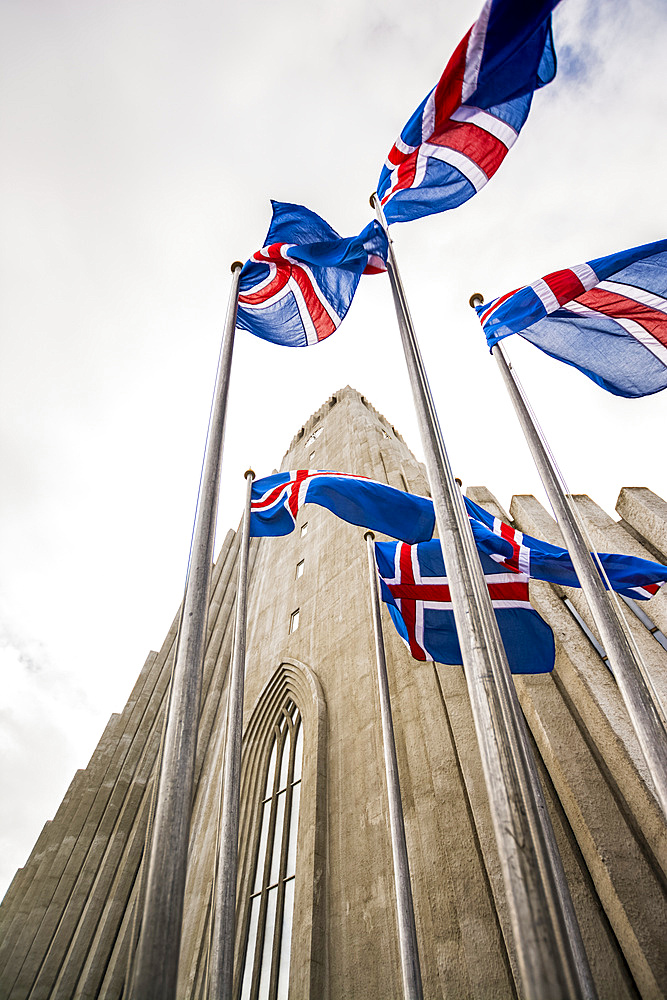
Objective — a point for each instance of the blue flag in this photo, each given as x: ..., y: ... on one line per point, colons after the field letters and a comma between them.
x: 414, y: 585
x: 460, y: 134
x: 277, y: 499
x: 415, y: 588
x: 297, y: 289
x: 607, y: 317
x: 637, y: 578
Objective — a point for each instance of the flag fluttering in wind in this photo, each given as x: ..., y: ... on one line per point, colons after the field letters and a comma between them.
x: 277, y: 499
x: 297, y: 289
x: 415, y: 588
x: 630, y: 576
x: 460, y: 134
x: 607, y: 317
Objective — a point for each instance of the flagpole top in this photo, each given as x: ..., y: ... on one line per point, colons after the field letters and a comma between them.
x: 476, y: 299
x: 237, y: 265
x: 249, y: 473
x: 371, y: 200
x: 369, y: 534
x: 459, y: 482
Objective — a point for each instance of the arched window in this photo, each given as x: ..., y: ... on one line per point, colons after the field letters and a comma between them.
x: 267, y: 955
x: 282, y: 835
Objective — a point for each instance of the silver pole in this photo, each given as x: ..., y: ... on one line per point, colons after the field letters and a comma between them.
x: 628, y: 672
x: 222, y: 954
x: 407, y: 932
x: 156, y: 965
x: 551, y: 958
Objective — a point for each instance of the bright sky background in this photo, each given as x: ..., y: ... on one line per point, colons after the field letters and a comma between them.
x: 142, y: 141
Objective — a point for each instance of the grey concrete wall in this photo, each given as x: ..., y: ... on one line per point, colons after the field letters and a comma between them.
x: 68, y: 921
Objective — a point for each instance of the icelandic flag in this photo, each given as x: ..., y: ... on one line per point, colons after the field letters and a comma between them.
x: 462, y: 131
x: 415, y: 588
x: 297, y: 289
x: 636, y: 578
x: 607, y: 317
x: 276, y: 500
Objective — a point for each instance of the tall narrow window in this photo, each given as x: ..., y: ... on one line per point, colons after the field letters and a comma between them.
x: 299, y: 569
x: 281, y: 928
x: 294, y: 621
x: 304, y: 529
x: 267, y: 953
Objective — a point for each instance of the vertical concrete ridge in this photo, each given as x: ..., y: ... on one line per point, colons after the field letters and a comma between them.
x: 477, y: 853
x: 48, y: 843
x: 99, y: 866
x: 599, y: 823
x: 216, y: 664
x: 590, y: 750
x: 109, y: 948
x: 21, y: 885
x: 64, y: 831
x: 224, y: 601
x: 646, y: 513
x: 47, y: 846
x: 590, y: 686
x: 609, y: 967
x: 225, y: 595
x: 93, y: 927
x: 590, y: 822
x: 205, y: 813
x: 218, y: 574
x: 608, y: 535
x: 483, y: 497
x: 23, y: 877
x: 55, y: 881
x: 114, y: 974
x: 60, y: 919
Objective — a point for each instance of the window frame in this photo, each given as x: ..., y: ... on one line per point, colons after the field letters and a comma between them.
x: 286, y: 739
x: 292, y: 679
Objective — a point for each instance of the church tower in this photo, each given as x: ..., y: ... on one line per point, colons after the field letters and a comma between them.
x: 316, y: 916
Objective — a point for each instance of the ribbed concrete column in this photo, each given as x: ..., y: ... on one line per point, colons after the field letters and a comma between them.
x: 590, y: 798
x: 647, y: 514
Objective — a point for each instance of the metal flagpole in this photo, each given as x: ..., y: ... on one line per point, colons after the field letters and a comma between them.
x: 627, y: 667
x: 222, y: 955
x: 156, y: 965
x: 550, y: 953
x: 407, y: 932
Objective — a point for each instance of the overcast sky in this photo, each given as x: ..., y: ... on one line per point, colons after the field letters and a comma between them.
x: 142, y: 141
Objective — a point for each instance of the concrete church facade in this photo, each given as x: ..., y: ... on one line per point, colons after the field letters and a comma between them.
x: 316, y: 915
